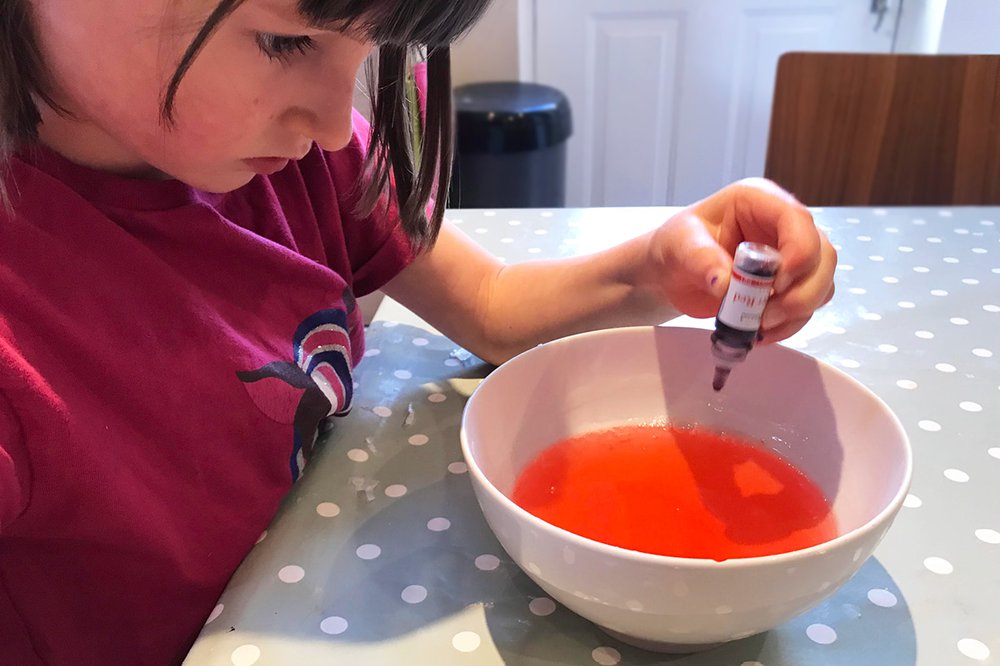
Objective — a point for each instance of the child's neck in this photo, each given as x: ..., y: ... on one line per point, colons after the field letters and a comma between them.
x: 85, y: 143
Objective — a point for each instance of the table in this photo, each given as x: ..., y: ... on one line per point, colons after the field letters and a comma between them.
x: 380, y: 554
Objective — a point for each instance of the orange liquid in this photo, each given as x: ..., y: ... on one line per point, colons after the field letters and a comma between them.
x: 686, y: 492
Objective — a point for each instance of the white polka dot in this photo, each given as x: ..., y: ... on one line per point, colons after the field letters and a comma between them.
x: 905, y: 248
x: 541, y: 232
x: 327, y: 509
x: 420, y: 342
x: 534, y: 250
x: 970, y: 406
x: 724, y: 609
x: 368, y: 551
x: 876, y: 257
x: 950, y: 260
x: 959, y: 321
x: 880, y: 212
x: 845, y: 267
x: 245, y: 655
x: 924, y: 335
x: 883, y: 598
x: 333, y: 625
x: 888, y: 349
x: 933, y: 239
x: 418, y: 440
x: 836, y: 330
x: 986, y: 223
x: 514, y: 223
x: 487, y: 562
x: 217, y: 611
x: 929, y: 426
x: 938, y: 292
x: 911, y: 501
x: 919, y: 222
x: 906, y: 304
x: 994, y: 452
x: 864, y: 239
x: 437, y: 397
x: 413, y: 594
x: 995, y: 270
x: 546, y: 213
x: 395, y: 490
x: 991, y: 308
x: 390, y: 324
x: 403, y: 374
x: 986, y: 536
x: 438, y: 524
x: 357, y: 455
x: 853, y: 220
x: 945, y: 213
x: 482, y: 230
x: 372, y: 352
x: 956, y: 475
x: 821, y: 633
x: 907, y: 384
x: 945, y: 367
x: 888, y: 279
x: 974, y: 649
x: 970, y: 281
x: 507, y: 240
x: 871, y: 316
x: 458, y: 468
x: 542, y: 606
x: 466, y: 641
x: 291, y: 573
x: 849, y: 363
x: 452, y: 362
x: 606, y: 656
x: 858, y: 291
x: 382, y: 411
x: 982, y: 353
x: 979, y: 250
x: 921, y: 269
x: 938, y: 565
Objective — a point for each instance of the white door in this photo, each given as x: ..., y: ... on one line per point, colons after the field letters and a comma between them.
x: 671, y: 99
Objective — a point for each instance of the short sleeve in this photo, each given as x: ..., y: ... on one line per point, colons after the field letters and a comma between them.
x: 377, y: 245
x: 14, y: 468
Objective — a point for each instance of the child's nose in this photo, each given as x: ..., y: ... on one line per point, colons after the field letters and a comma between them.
x: 329, y: 127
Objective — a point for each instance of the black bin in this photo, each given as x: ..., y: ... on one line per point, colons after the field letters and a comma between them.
x: 511, y: 146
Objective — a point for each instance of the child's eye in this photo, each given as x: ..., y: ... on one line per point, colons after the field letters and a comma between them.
x: 283, y: 47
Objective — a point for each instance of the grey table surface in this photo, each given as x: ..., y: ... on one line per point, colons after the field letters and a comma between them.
x: 380, y: 554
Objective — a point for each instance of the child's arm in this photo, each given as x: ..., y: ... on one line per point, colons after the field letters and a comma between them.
x: 497, y: 311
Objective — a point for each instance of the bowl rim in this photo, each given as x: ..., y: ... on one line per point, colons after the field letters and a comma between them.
x: 840, y: 541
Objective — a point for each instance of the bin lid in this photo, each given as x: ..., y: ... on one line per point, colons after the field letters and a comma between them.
x: 510, y: 116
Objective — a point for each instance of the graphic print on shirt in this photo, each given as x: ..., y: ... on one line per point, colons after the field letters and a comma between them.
x: 320, y: 368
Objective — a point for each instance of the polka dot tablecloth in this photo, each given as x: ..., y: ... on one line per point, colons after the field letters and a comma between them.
x: 380, y: 554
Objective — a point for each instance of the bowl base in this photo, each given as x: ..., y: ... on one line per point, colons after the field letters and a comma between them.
x: 661, y: 646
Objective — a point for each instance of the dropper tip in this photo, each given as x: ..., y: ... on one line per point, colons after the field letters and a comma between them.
x: 719, y: 380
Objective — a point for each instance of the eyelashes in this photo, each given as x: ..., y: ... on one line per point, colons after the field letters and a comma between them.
x: 282, y: 48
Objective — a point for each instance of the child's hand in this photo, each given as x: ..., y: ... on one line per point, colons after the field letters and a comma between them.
x: 690, y: 256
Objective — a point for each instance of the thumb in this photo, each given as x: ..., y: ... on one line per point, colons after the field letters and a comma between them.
x: 697, y: 257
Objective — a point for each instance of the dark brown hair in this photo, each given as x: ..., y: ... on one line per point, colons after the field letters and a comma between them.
x: 399, y: 164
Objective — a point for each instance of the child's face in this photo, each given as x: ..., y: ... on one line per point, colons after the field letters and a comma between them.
x: 111, y: 60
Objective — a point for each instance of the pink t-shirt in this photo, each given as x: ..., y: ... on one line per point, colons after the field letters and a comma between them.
x: 166, y: 357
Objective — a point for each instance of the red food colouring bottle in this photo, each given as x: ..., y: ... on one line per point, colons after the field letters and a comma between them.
x: 736, y: 325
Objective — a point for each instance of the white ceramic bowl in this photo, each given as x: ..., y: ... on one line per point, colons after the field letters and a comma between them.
x: 827, y: 424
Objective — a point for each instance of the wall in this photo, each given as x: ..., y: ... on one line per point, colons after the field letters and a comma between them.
x: 489, y: 52
x: 920, y: 26
x: 970, y: 26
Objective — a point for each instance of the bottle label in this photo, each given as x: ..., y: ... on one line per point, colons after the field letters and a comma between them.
x: 745, y: 300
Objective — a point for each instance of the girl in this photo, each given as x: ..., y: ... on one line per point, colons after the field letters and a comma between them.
x: 190, y: 209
